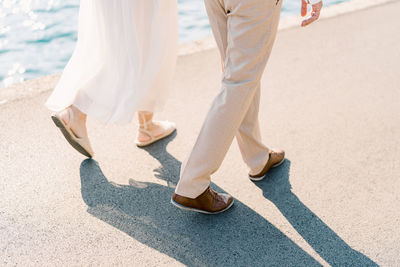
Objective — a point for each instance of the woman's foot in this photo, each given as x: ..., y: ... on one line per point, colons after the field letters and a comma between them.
x: 78, y: 122
x: 156, y: 128
x: 72, y: 123
x: 151, y: 131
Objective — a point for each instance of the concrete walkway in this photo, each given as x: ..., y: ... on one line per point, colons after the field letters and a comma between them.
x: 331, y: 98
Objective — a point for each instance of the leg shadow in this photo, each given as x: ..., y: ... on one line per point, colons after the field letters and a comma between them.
x: 170, y: 166
x: 334, y: 250
x: 238, y: 237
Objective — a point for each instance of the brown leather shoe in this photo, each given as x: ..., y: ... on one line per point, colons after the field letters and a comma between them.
x: 209, y: 202
x: 276, y: 158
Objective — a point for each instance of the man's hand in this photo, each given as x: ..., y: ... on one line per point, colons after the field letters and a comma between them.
x: 316, y: 11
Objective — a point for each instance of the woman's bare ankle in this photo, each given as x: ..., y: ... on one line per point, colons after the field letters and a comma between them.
x: 78, y: 123
x: 145, y: 119
x: 79, y: 115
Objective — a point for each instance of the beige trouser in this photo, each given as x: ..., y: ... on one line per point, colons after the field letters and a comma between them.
x: 245, y: 31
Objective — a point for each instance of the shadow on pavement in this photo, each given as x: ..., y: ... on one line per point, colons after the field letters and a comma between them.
x: 143, y: 211
x: 276, y: 188
x: 239, y: 237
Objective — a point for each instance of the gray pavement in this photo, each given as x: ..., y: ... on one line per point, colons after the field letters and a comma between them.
x: 331, y: 99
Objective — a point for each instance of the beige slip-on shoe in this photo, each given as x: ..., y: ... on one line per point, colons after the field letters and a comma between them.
x: 169, y: 128
x: 82, y: 145
x: 276, y: 158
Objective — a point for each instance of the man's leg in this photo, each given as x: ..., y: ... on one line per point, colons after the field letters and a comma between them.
x: 219, y: 24
x: 255, y: 154
x: 251, y: 30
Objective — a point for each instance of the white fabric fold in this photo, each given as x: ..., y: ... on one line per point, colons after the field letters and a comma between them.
x: 124, y: 59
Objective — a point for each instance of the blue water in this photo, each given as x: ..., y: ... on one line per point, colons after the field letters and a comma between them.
x: 37, y: 37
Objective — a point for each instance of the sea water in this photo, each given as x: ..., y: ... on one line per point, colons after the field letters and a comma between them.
x: 37, y: 37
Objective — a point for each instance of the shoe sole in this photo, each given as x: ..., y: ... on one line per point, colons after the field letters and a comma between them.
x: 200, y: 211
x: 69, y: 138
x: 144, y: 144
x: 257, y: 179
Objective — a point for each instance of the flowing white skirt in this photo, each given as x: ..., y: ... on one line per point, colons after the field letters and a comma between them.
x: 124, y: 59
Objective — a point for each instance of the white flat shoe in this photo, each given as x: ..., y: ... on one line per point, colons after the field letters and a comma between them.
x: 169, y: 128
x: 82, y: 145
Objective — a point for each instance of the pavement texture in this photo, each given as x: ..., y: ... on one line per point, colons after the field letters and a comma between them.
x: 331, y: 99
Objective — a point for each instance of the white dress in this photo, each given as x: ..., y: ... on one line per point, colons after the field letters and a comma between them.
x: 124, y: 59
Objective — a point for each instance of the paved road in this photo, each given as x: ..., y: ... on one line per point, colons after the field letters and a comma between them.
x: 331, y: 98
